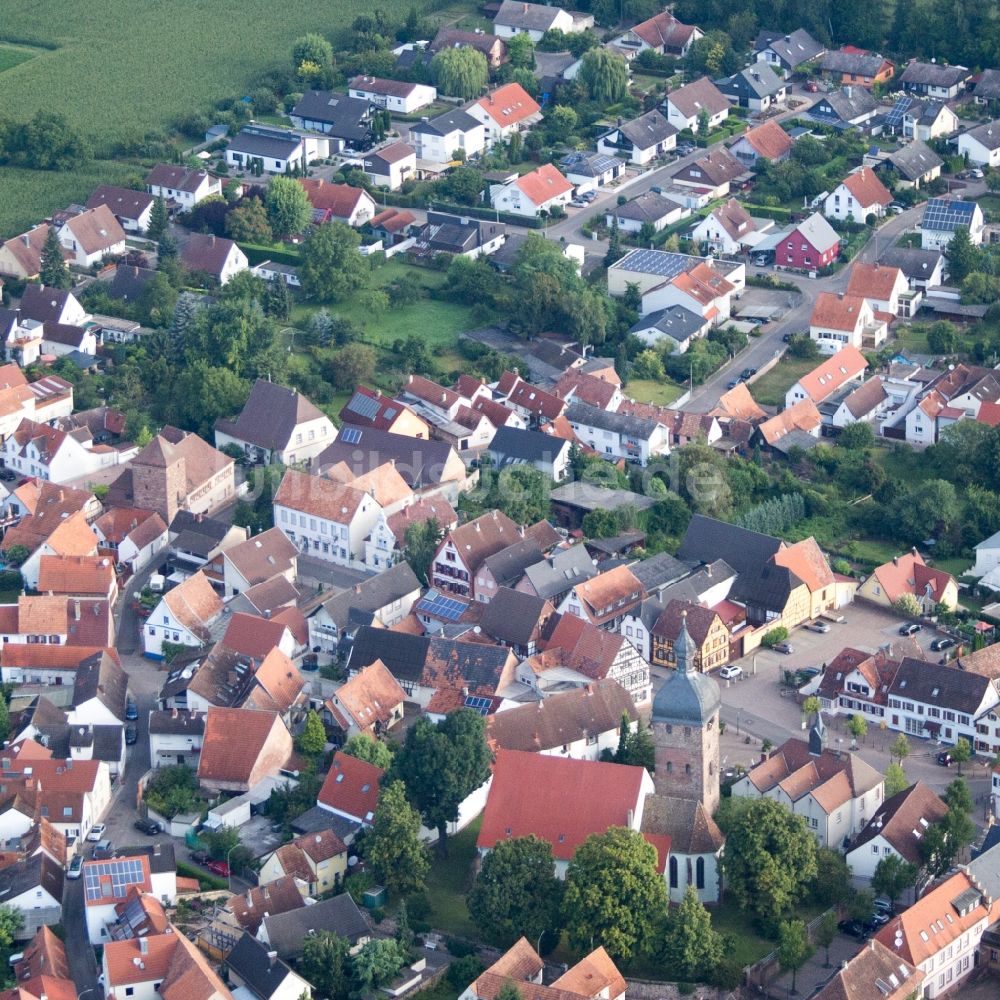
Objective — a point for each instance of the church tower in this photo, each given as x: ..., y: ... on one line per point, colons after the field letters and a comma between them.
x: 685, y: 728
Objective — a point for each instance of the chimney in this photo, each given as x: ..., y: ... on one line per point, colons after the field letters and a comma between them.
x: 174, y: 713
x: 76, y: 610
x: 895, y: 560
x: 144, y: 945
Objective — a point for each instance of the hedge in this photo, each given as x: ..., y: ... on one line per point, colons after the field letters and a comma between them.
x: 257, y: 254
x: 205, y: 879
x: 775, y: 212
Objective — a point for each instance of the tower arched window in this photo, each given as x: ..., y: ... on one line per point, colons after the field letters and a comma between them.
x: 700, y: 873
x: 673, y: 873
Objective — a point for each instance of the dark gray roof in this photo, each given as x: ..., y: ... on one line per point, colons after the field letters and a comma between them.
x: 345, y: 116
x: 508, y: 565
x: 914, y: 160
x: 317, y: 819
x: 988, y: 87
x: 688, y: 697
x: 648, y: 207
x: 39, y: 871
x: 707, y: 540
x: 676, y: 322
x: 270, y: 415
x: 848, y: 107
x: 914, y: 263
x: 590, y: 496
x: 129, y: 282
x: 793, y: 49
x: 987, y: 135
x: 373, y: 593
x: 418, y: 461
x: 251, y: 962
x: 42, y: 303
x: 765, y: 585
x: 286, y: 932
x: 659, y: 571
x: 511, y: 445
x: 588, y: 164
x: 620, y: 423
x: 176, y: 723
x: 100, y: 677
x: 854, y: 63
x: 931, y: 683
x: 256, y: 140
x: 647, y: 130
x: 526, y: 16
x: 933, y: 74
x: 757, y: 80
x: 562, y: 571
x: 402, y: 653
x: 511, y: 617
x: 8, y: 320
x: 445, y: 124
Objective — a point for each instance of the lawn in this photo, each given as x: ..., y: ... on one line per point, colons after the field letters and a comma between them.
x: 28, y: 196
x: 747, y: 946
x: 770, y: 388
x: 449, y: 882
x: 649, y: 391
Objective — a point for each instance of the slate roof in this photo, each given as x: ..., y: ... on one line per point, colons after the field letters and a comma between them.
x: 853, y: 62
x: 708, y: 539
x: 931, y: 683
x: 345, y: 116
x: 647, y: 130
x: 526, y: 16
x: 561, y: 571
x: 286, y: 932
x: 988, y: 87
x: 37, y: 872
x: 914, y: 263
x: 420, y: 462
x: 914, y: 160
x: 933, y: 74
x: 514, y: 618
x: 647, y: 207
x: 848, y: 107
x: 619, y: 423
x: 124, y: 202
x: 207, y: 253
x: 43, y: 304
x: 758, y: 80
x: 455, y: 120
x: 373, y: 593
x: 794, y: 49
x: 511, y: 445
x: 508, y: 565
x: 675, y: 322
x: 270, y: 415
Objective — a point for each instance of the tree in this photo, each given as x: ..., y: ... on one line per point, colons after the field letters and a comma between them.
x: 312, y: 739
x: 793, y: 947
x: 604, y: 76
x: 648, y: 365
x: 46, y: 142
x: 325, y: 962
x: 692, y: 948
x: 961, y: 255
x: 857, y: 726
x: 893, y: 876
x: 393, y: 846
x: 961, y: 752
x: 159, y: 220
x: 509, y: 991
x: 561, y: 123
x: 614, y: 250
x: 277, y: 299
x: 465, y: 185
x: 957, y: 796
x: 521, y: 51
x: 895, y: 779
x: 519, y: 491
x: 53, y: 271
x: 908, y: 605
x: 858, y: 436
x: 419, y: 545
x: 826, y: 933
x: 769, y: 860
x: 943, y: 840
x: 351, y: 365
x: 942, y: 337
x: 288, y: 207
x: 460, y: 72
x: 517, y: 892
x: 4, y: 719
x: 378, y: 962
x: 613, y: 891
x: 331, y: 266
x: 900, y: 748
x: 442, y: 764
x: 158, y: 301
x: 832, y: 884
x: 248, y: 222
x: 364, y: 747
x: 312, y: 60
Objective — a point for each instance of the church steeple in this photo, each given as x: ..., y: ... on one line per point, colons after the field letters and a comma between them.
x: 683, y: 647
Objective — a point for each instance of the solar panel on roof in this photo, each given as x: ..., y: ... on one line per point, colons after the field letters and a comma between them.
x: 440, y: 606
x: 942, y: 215
x: 480, y: 705
x: 116, y: 875
x: 895, y: 117
x: 363, y: 406
x: 659, y: 262
x: 350, y: 435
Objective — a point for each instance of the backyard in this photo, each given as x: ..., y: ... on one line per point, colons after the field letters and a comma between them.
x: 770, y: 388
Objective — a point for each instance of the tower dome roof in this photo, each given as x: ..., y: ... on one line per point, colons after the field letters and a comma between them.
x: 688, y: 697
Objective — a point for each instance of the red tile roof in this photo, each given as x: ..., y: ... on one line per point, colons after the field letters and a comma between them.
x: 769, y: 140
x: 234, y: 741
x: 867, y: 189
x: 252, y: 636
x: 543, y: 184
x: 351, y: 787
x: 875, y: 281
x: 509, y: 104
x: 340, y: 200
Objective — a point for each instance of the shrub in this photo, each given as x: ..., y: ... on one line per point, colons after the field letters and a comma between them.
x: 776, y: 635
x: 463, y: 971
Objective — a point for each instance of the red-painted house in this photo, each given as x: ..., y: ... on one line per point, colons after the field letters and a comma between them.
x: 811, y: 245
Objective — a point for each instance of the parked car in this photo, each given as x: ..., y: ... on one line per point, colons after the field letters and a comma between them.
x: 748, y: 373
x: 104, y: 850
x: 945, y: 759
x: 732, y: 383
x: 818, y: 626
x: 909, y: 628
x: 809, y: 672
x: 220, y: 868
x: 853, y: 928
x: 310, y: 662
x: 784, y: 647
x: 578, y: 203
x: 148, y: 826
x: 786, y: 338
x: 896, y: 208
x: 131, y: 735
x: 731, y: 673
x: 8, y: 475
x: 875, y: 921
x: 96, y: 832
x: 131, y: 710
x: 812, y: 87
x: 199, y: 857
x: 943, y: 643
x: 884, y: 905
x: 75, y: 869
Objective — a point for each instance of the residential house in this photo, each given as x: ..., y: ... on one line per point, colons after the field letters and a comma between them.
x: 48, y: 453
x: 317, y: 862
x: 385, y: 543
x: 573, y: 501
x: 78, y: 576
x: 942, y: 216
x: 705, y: 628
x: 646, y: 138
x: 767, y: 141
x: 182, y: 616
x: 909, y: 574
x: 926, y: 120
x: 71, y: 537
x: 175, y: 737
x: 516, y: 619
x: 258, y: 560
x: 21, y: 257
x: 896, y: 830
x: 389, y: 166
x: 535, y: 405
x: 798, y: 426
x: 131, y: 208
x: 757, y: 87
x: 344, y: 120
x: 590, y: 171
x: 857, y: 197
x: 214, y: 256
x: 874, y: 969
x: 845, y: 320
x: 987, y: 86
x: 835, y: 793
x: 712, y: 175
x: 508, y: 110
x: 538, y: 794
x: 884, y: 288
x: 850, y: 65
x: 458, y: 236
x: 923, y: 269
x: 552, y: 577
x: 195, y: 540
x: 534, y: 19
x: 369, y: 702
x: 706, y: 289
x: 662, y: 33
x: 177, y: 471
x: 605, y: 599
x: 933, y: 79
x: 438, y: 139
x: 845, y: 108
x: 33, y: 888
x: 831, y: 375
x: 466, y: 548
x: 240, y: 747
x: 339, y: 202
x: 550, y: 455
x: 369, y: 408
x: 981, y: 145
x: 617, y: 435
x: 673, y: 325
x: 252, y: 968
x: 145, y: 870
x: 351, y: 788
x: 540, y: 190
x: 787, y: 54
x: 915, y: 165
x: 652, y: 208
x: 286, y: 932
x: 687, y: 105
x: 940, y: 933
x: 492, y: 48
x: 326, y: 519
x: 182, y: 187
x: 582, y: 387
x: 504, y: 569
x: 90, y: 235
x: 396, y: 96
x: 725, y: 229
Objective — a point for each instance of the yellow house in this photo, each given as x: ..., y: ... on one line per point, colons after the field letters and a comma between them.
x: 317, y: 862
x: 706, y: 629
x: 909, y: 574
x: 807, y: 562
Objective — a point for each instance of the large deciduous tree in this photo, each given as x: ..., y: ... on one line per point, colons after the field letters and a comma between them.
x: 248, y: 222
x: 393, y: 846
x: 604, y: 76
x: 613, y: 893
x: 331, y: 267
x: 893, y: 876
x: 366, y: 748
x: 691, y: 948
x: 419, y: 545
x: 460, y: 72
x: 517, y: 892
x: 326, y: 964
x: 288, y: 208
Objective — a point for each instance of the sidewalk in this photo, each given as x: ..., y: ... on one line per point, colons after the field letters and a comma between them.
x: 812, y: 975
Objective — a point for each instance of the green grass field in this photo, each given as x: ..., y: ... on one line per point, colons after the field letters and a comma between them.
x: 770, y: 388
x: 450, y: 880
x: 648, y: 391
x: 11, y: 57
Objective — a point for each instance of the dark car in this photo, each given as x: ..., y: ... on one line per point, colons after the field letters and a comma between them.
x: 732, y: 383
x: 748, y: 373
x: 310, y: 662
x: 945, y: 759
x: 131, y: 710
x: 945, y: 643
x: 8, y: 475
x: 853, y: 928
x: 786, y: 338
x: 131, y: 735
x: 909, y: 628
x: 199, y: 857
x: 148, y: 826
